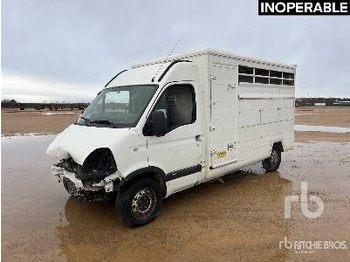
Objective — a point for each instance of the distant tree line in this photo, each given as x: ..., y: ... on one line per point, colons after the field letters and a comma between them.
x: 310, y: 101
x: 11, y: 103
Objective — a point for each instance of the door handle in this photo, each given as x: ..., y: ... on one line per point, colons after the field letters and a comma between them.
x: 198, y: 138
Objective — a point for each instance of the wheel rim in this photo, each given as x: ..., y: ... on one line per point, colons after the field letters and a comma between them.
x: 143, y: 203
x: 274, y: 157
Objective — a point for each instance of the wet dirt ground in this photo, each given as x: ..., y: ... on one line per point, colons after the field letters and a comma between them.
x: 46, y: 121
x: 36, y: 121
x: 241, y: 219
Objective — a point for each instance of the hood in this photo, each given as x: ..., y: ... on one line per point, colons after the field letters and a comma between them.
x: 79, y: 141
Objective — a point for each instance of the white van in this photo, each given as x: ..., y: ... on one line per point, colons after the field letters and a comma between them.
x: 165, y: 126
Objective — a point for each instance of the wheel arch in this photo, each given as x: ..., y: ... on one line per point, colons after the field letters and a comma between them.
x: 148, y: 172
x: 278, y: 145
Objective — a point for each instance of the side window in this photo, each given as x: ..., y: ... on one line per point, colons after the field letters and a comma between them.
x: 178, y: 105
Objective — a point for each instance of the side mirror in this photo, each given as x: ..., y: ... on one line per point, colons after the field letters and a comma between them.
x: 156, y: 124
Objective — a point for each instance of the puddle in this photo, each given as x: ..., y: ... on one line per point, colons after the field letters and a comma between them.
x: 57, y: 113
x: 327, y: 129
x: 241, y: 218
x: 304, y: 114
x: 22, y: 135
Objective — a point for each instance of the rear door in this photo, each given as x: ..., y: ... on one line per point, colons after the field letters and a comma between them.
x: 223, y: 129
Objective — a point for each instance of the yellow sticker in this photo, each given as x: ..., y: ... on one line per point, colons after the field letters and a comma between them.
x: 221, y: 154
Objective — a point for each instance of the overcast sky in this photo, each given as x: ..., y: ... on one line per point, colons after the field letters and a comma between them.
x: 67, y: 50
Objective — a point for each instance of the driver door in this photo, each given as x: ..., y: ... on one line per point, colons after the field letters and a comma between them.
x: 178, y: 152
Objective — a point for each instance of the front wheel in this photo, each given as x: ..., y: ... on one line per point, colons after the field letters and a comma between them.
x: 273, y: 162
x: 139, y: 203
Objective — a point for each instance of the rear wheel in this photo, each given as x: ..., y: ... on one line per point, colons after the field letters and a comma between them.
x: 273, y: 162
x: 140, y: 202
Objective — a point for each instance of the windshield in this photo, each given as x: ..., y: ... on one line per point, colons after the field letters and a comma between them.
x: 118, y: 106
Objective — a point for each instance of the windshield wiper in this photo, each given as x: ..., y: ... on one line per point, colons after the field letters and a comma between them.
x: 102, y: 122
x: 87, y: 121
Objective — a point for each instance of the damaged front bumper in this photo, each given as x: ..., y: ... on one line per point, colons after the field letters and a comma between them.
x: 77, y: 187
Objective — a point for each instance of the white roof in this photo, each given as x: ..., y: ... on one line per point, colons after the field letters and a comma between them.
x: 144, y: 73
x: 216, y: 53
x: 140, y: 75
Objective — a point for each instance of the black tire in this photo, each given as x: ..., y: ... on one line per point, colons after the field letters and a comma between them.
x: 139, y: 203
x: 273, y: 162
